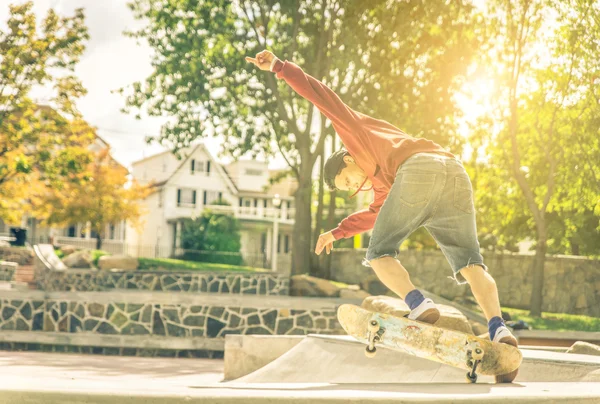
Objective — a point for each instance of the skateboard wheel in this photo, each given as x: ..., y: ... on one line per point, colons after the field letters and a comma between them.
x: 373, y: 326
x: 370, y: 353
x: 471, y: 378
x: 477, y: 354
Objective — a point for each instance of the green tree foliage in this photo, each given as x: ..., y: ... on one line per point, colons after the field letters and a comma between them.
x: 542, y: 138
x: 40, y: 146
x: 212, y: 237
x: 396, y: 60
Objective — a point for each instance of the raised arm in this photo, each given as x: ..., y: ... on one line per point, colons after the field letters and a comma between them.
x: 311, y: 89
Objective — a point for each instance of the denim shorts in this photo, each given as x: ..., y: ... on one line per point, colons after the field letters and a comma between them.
x: 435, y: 192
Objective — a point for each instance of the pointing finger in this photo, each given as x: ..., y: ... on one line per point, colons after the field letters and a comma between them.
x: 250, y: 60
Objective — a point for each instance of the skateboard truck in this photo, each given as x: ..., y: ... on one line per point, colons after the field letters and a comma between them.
x: 374, y: 336
x: 475, y: 358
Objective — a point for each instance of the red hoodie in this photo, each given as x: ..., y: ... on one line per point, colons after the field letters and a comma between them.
x: 377, y: 146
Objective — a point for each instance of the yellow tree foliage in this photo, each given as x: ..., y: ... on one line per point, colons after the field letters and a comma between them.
x: 40, y: 145
x: 105, y: 197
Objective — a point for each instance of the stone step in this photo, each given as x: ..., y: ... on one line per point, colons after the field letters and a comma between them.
x: 25, y: 273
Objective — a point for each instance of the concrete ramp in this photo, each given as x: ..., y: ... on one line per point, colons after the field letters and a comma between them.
x: 325, y: 359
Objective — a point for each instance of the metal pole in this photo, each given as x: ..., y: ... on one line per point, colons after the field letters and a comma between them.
x: 275, y: 240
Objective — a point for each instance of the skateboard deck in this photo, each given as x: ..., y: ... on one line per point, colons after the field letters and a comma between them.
x: 427, y: 341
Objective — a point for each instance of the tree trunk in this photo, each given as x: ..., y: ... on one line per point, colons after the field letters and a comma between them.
x: 537, y: 285
x: 330, y: 224
x: 315, y: 267
x: 98, y: 242
x: 301, y: 248
x: 575, y: 247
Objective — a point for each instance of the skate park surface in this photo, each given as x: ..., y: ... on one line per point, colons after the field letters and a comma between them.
x: 316, y: 369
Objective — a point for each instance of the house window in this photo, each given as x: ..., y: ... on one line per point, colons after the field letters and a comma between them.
x: 208, y: 168
x: 210, y: 197
x: 278, y: 243
x: 286, y: 247
x: 72, y: 231
x: 253, y: 171
x: 111, y: 232
x: 247, y: 203
x: 186, y: 197
x: 197, y: 166
x: 263, y: 242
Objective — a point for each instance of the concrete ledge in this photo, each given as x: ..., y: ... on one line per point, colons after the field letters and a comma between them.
x: 246, y: 353
x: 555, y: 338
x: 113, y: 341
x: 208, y: 299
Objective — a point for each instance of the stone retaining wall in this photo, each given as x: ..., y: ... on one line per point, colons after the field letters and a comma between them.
x: 7, y: 271
x: 20, y: 255
x: 571, y: 284
x: 164, y: 281
x: 179, y: 316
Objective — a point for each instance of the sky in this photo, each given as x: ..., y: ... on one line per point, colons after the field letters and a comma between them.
x: 111, y: 61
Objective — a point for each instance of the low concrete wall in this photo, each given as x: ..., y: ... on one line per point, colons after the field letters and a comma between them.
x: 157, y: 319
x: 571, y: 284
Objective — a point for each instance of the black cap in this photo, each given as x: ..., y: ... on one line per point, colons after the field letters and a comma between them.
x: 333, y: 166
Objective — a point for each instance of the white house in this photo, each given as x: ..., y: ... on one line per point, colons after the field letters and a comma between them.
x: 78, y: 234
x: 185, y: 188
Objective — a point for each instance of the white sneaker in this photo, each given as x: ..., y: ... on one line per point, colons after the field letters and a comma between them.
x: 426, y: 312
x: 504, y: 336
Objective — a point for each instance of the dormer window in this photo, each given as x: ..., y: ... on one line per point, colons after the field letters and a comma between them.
x: 198, y: 166
x: 253, y: 171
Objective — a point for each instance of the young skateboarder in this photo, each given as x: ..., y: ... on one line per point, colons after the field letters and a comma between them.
x: 416, y: 184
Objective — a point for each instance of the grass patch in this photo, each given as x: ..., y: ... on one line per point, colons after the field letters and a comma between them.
x: 555, y: 321
x: 340, y: 285
x: 170, y: 264
x: 96, y: 254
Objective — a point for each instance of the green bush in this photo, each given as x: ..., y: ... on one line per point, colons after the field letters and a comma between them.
x: 96, y: 254
x: 212, y: 237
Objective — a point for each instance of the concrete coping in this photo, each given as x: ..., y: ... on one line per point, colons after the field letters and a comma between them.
x: 199, y: 299
x: 175, y: 272
x: 570, y: 335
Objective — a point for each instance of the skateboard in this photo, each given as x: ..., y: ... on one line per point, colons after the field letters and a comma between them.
x: 454, y: 348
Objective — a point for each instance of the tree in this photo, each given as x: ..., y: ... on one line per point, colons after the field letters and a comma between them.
x: 545, y: 154
x: 104, y: 197
x: 396, y: 60
x: 212, y: 237
x: 40, y: 146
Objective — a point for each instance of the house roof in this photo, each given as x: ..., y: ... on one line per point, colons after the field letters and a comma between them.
x: 215, y: 164
x: 150, y: 157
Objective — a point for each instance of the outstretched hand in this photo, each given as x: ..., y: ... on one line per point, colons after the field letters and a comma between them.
x: 325, y: 241
x: 262, y: 60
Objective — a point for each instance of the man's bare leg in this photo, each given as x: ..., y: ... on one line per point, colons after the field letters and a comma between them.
x: 486, y: 293
x: 396, y: 278
x: 484, y: 289
x: 393, y: 275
